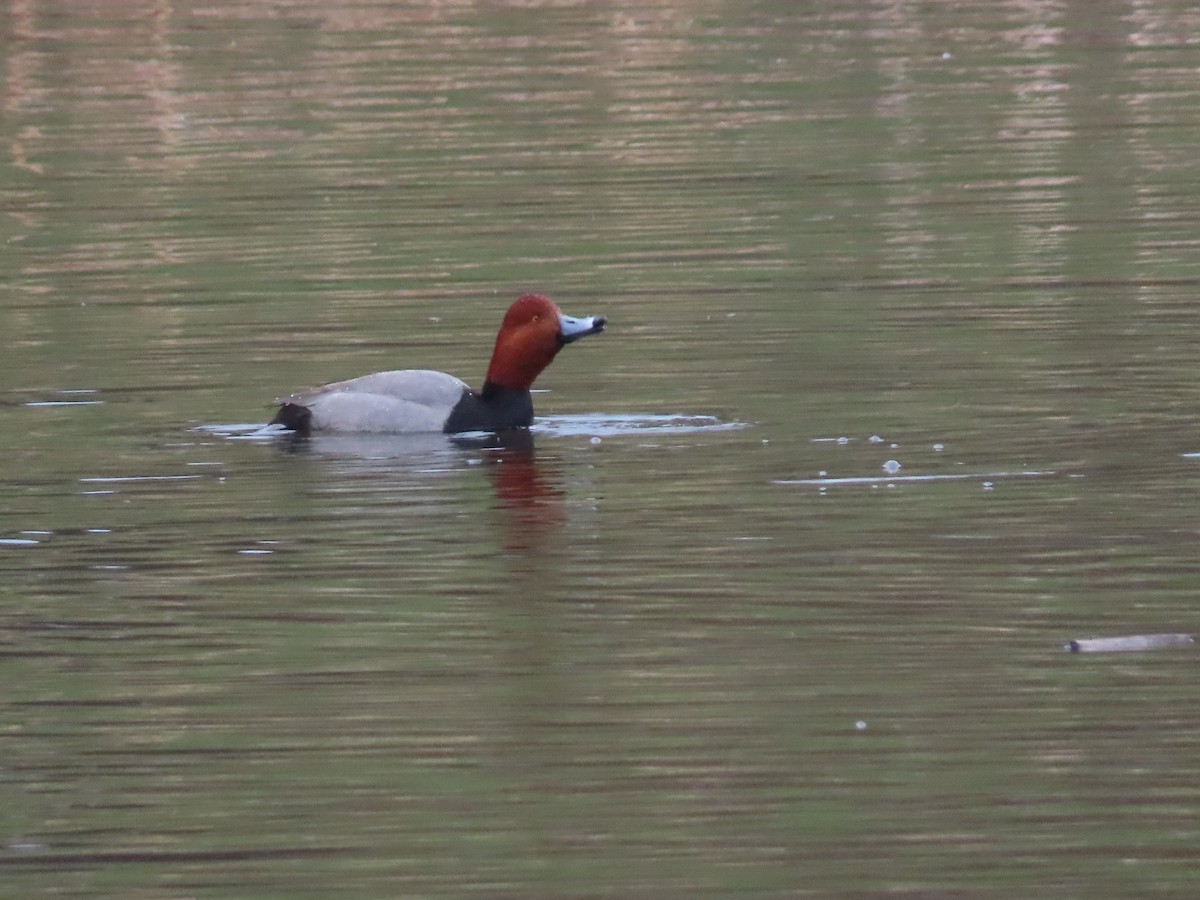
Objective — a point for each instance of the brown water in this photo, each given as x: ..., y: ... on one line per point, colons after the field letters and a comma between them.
x: 647, y: 653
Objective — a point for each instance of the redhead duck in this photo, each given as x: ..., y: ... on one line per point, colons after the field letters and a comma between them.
x: 412, y: 400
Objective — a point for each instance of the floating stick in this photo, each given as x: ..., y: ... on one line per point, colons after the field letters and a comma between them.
x: 1132, y: 642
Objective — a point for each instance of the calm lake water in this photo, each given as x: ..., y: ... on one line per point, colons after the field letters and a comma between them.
x: 896, y: 398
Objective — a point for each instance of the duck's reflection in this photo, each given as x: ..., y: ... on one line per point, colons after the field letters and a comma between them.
x: 397, y: 449
x: 528, y: 489
x: 509, y: 587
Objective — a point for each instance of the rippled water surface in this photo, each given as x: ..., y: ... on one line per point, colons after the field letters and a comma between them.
x: 897, y: 397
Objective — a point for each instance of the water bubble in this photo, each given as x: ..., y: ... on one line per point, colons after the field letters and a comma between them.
x: 860, y: 725
x: 875, y: 439
x: 891, y: 466
x: 988, y: 486
x: 843, y: 440
x: 595, y: 441
x: 938, y: 448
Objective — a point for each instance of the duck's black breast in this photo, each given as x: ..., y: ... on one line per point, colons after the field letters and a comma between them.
x: 495, y: 408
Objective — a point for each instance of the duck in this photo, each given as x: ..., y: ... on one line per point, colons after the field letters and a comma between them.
x: 406, y: 401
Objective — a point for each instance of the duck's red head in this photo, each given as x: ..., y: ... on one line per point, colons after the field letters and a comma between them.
x: 533, y: 331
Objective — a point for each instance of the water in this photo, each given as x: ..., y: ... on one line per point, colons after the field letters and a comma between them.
x: 896, y: 398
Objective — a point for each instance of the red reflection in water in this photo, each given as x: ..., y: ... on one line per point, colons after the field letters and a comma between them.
x: 528, y: 491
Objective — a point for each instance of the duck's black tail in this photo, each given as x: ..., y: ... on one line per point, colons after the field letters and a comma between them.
x: 294, y: 417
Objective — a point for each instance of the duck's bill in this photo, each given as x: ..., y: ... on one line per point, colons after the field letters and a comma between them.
x: 572, y: 329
